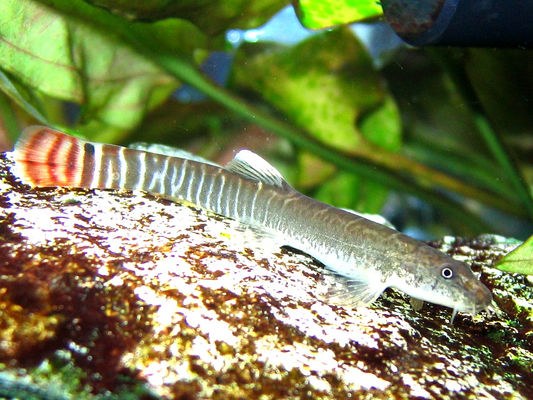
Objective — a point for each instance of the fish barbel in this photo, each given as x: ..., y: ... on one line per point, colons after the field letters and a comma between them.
x: 370, y: 257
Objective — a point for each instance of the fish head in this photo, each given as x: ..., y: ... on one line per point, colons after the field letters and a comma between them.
x: 460, y: 289
x: 440, y: 279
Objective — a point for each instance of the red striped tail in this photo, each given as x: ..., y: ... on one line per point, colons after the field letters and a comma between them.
x: 46, y: 157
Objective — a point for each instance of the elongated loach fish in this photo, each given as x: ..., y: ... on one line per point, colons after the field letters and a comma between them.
x: 370, y: 256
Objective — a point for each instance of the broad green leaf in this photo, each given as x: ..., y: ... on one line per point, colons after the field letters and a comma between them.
x: 317, y: 14
x: 63, y: 58
x: 381, y: 125
x: 350, y: 191
x: 211, y: 16
x: 520, y: 260
x: 327, y: 86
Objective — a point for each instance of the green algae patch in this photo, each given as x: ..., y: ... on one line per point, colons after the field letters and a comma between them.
x: 318, y: 14
x: 58, y: 378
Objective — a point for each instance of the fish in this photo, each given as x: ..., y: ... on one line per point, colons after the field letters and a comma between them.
x: 366, y: 256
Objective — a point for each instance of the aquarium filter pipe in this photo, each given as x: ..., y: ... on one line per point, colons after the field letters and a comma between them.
x: 466, y: 23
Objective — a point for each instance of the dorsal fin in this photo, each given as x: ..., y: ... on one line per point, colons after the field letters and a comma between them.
x: 252, y: 166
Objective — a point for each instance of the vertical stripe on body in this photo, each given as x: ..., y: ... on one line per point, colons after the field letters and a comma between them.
x: 87, y: 171
x: 96, y: 164
x: 199, y: 186
x: 227, y: 199
x: 141, y: 172
x: 153, y: 172
x: 163, y: 177
x: 110, y: 168
x: 235, y: 198
x: 191, y: 178
x: 176, y: 187
x: 123, y: 167
x: 253, y: 201
x: 208, y: 191
x: 221, y: 186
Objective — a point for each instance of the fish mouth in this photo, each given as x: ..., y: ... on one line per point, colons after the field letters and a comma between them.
x: 479, y: 299
x: 480, y: 304
x: 481, y: 296
x: 483, y: 299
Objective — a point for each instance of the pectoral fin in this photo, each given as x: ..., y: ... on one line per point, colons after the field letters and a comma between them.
x: 350, y: 292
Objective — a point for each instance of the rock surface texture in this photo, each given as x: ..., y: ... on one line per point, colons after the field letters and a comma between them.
x: 105, y: 294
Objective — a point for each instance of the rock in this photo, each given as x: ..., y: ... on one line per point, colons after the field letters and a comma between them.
x: 119, y: 293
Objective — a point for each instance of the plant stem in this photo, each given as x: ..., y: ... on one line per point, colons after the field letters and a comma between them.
x: 493, y: 141
x: 433, y: 179
x: 478, y: 171
x: 9, y: 119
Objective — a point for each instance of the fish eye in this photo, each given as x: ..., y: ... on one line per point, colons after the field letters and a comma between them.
x: 446, y: 272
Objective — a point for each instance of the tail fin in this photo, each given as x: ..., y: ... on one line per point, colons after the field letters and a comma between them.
x: 46, y: 157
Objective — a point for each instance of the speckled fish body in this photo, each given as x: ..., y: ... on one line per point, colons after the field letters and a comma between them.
x: 370, y: 256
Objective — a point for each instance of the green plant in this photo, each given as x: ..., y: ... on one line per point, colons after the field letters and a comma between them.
x: 354, y: 129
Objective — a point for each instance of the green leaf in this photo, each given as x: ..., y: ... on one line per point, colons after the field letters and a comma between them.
x: 520, y: 260
x: 327, y: 86
x: 350, y: 191
x: 211, y: 16
x: 318, y: 14
x: 381, y: 125
x: 63, y: 58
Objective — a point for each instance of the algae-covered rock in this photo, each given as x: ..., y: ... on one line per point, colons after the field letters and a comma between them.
x: 107, y: 294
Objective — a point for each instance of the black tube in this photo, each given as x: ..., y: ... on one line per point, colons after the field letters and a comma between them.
x: 467, y: 23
